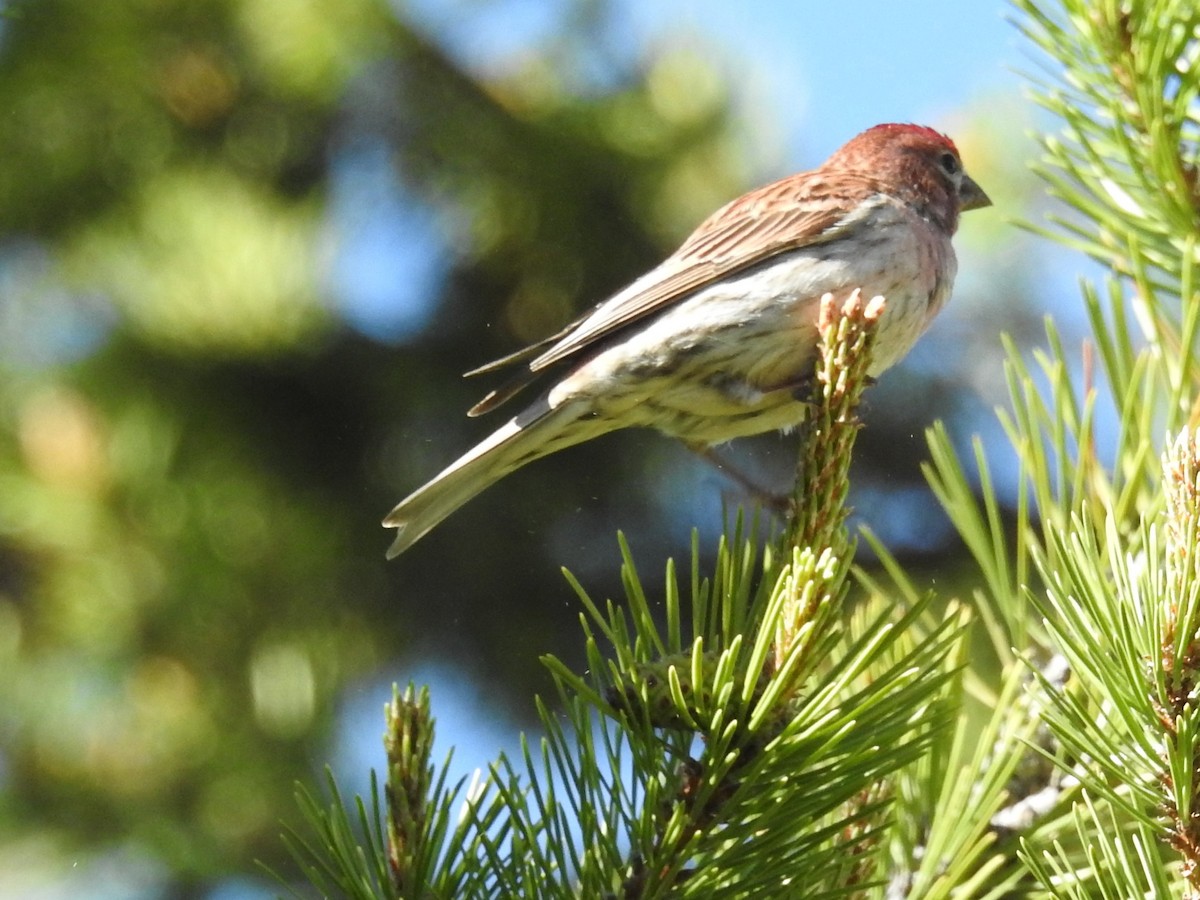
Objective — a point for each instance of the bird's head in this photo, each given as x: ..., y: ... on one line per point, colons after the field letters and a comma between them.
x: 918, y: 165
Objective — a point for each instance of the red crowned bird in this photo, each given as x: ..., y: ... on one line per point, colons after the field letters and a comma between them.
x: 719, y: 340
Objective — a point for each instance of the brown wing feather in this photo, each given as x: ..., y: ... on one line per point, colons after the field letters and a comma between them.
x: 798, y: 211
x: 504, y: 393
x: 520, y: 355
x: 795, y: 212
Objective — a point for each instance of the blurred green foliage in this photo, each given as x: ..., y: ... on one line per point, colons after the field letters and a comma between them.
x: 196, y: 447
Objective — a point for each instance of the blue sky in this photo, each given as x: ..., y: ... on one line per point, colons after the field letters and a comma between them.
x: 822, y: 71
x: 829, y: 70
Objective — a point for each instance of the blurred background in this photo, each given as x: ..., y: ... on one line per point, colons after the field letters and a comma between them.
x: 247, y: 248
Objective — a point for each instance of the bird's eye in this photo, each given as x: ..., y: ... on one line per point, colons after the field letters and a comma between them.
x: 949, y: 163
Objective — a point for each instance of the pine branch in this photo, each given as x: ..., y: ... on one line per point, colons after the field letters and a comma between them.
x: 846, y: 336
x: 408, y: 740
x: 1179, y: 661
x: 1107, y: 549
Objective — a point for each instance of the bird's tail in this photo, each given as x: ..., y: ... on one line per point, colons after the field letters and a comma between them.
x: 534, y: 433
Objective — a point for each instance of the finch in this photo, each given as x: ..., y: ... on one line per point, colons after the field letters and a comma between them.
x: 719, y: 340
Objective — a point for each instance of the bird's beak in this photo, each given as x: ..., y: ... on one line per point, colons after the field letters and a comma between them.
x: 971, y: 195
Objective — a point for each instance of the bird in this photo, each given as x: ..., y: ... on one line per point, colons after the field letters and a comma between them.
x: 719, y: 340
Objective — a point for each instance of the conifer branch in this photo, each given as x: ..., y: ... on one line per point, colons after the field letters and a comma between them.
x: 846, y: 335
x: 408, y: 741
x: 1180, y: 658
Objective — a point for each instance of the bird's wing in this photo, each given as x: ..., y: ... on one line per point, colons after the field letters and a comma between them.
x: 788, y: 214
x: 798, y: 211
